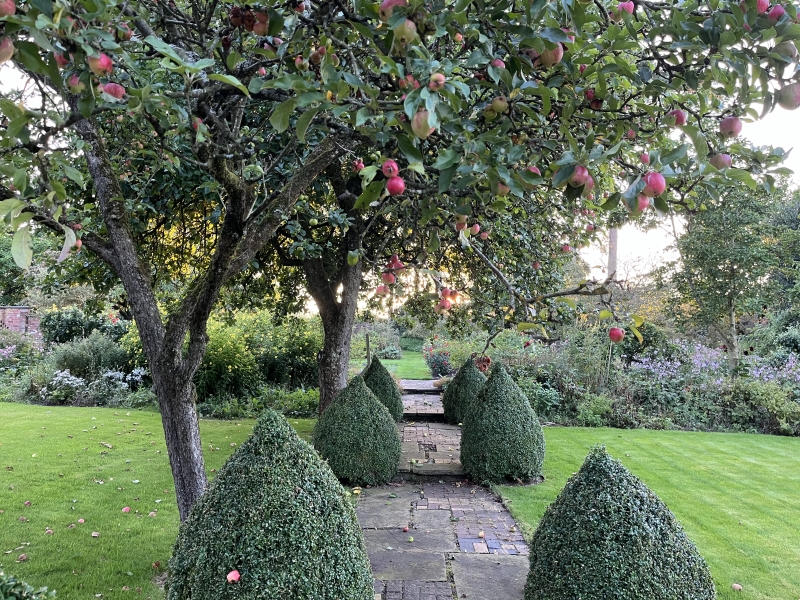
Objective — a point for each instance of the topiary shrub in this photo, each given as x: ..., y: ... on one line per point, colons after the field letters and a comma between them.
x: 608, y: 536
x: 380, y: 382
x: 501, y: 437
x: 358, y: 437
x: 13, y: 589
x: 276, y: 514
x: 461, y: 392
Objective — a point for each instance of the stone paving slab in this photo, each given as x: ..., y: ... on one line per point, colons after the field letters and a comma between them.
x: 410, y: 386
x: 415, y: 590
x: 424, y: 540
x: 395, y: 565
x: 381, y: 515
x: 489, y: 577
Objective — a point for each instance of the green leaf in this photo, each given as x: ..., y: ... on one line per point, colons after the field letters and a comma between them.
x: 166, y: 50
x: 21, y: 248
x: 446, y: 159
x: 637, y: 334
x: 568, y: 301
x: 69, y: 242
x: 20, y: 219
x: 304, y: 121
x: 563, y: 175
x: 230, y: 80
x: 280, y: 116
x: 407, y: 148
x: 20, y: 179
x: 742, y: 176
x: 369, y: 195
x: 637, y: 320
x: 527, y: 326
x: 605, y: 314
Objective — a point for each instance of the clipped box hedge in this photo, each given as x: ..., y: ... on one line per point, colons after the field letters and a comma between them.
x: 501, y: 437
x: 358, y: 437
x: 380, y: 382
x: 277, y: 515
x: 607, y: 535
x: 462, y: 391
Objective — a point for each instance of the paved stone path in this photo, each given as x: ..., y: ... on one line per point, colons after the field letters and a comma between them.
x: 464, y: 543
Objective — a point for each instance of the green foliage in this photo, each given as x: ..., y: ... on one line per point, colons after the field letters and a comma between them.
x: 381, y: 383
x: 501, y: 437
x: 89, y: 357
x: 13, y: 589
x: 608, y: 536
x: 545, y: 400
x: 290, y: 403
x: 410, y: 344
x: 276, y: 514
x: 384, y: 341
x: 462, y: 391
x: 593, y: 410
x: 228, y: 368
x: 65, y: 325
x: 358, y: 437
x: 287, y: 355
x: 763, y: 407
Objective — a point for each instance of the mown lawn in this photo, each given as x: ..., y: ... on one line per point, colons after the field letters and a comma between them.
x: 89, y: 463
x: 737, y: 496
x: 411, y: 366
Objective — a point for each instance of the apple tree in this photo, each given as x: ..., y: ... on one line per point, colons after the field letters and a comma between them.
x: 455, y: 111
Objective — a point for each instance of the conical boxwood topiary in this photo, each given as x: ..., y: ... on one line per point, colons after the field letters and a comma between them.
x: 462, y: 391
x: 608, y: 536
x: 276, y: 514
x: 358, y: 437
x: 380, y: 382
x: 501, y: 437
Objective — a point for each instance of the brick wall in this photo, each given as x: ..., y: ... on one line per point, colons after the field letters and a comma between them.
x: 19, y: 318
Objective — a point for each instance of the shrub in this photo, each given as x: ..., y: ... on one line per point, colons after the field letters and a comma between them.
x: 228, y: 367
x: 607, y: 535
x: 380, y: 382
x: 389, y: 353
x: 13, y: 589
x: 544, y: 400
x: 60, y: 326
x: 437, y: 357
x: 501, y: 437
x: 357, y: 436
x: 383, y: 340
x: 410, y: 344
x: 593, y: 410
x: 291, y: 403
x: 763, y: 407
x: 89, y: 357
x: 461, y: 392
x: 276, y: 514
x: 289, y: 355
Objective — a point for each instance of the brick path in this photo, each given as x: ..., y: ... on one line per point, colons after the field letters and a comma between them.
x: 461, y: 542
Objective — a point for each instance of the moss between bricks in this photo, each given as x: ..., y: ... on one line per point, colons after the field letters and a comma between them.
x: 275, y: 513
x: 607, y: 535
x: 501, y: 438
x: 462, y: 391
x: 380, y: 382
x: 358, y: 437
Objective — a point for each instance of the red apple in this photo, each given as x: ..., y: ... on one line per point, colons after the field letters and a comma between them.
x: 475, y: 229
x: 498, y: 63
x: 420, y: 126
x: 7, y: 8
x: 484, y: 235
x: 579, y: 176
x: 615, y: 334
x: 628, y: 7
x: 388, y: 278
x: 535, y: 170
x: 536, y: 265
x: 100, y: 65
x: 730, y: 127
x: 680, y: 116
x: 645, y: 158
x: 720, y: 161
x: 390, y: 168
x: 775, y: 14
x: 655, y: 184
x: 565, y: 248
x: 233, y: 576
x: 395, y: 186
x: 436, y: 82
x: 387, y: 8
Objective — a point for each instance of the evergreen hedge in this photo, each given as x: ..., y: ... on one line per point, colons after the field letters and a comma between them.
x: 501, y: 437
x: 12, y: 588
x: 380, y: 382
x: 608, y: 536
x: 276, y: 514
x: 462, y: 391
x: 358, y: 437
